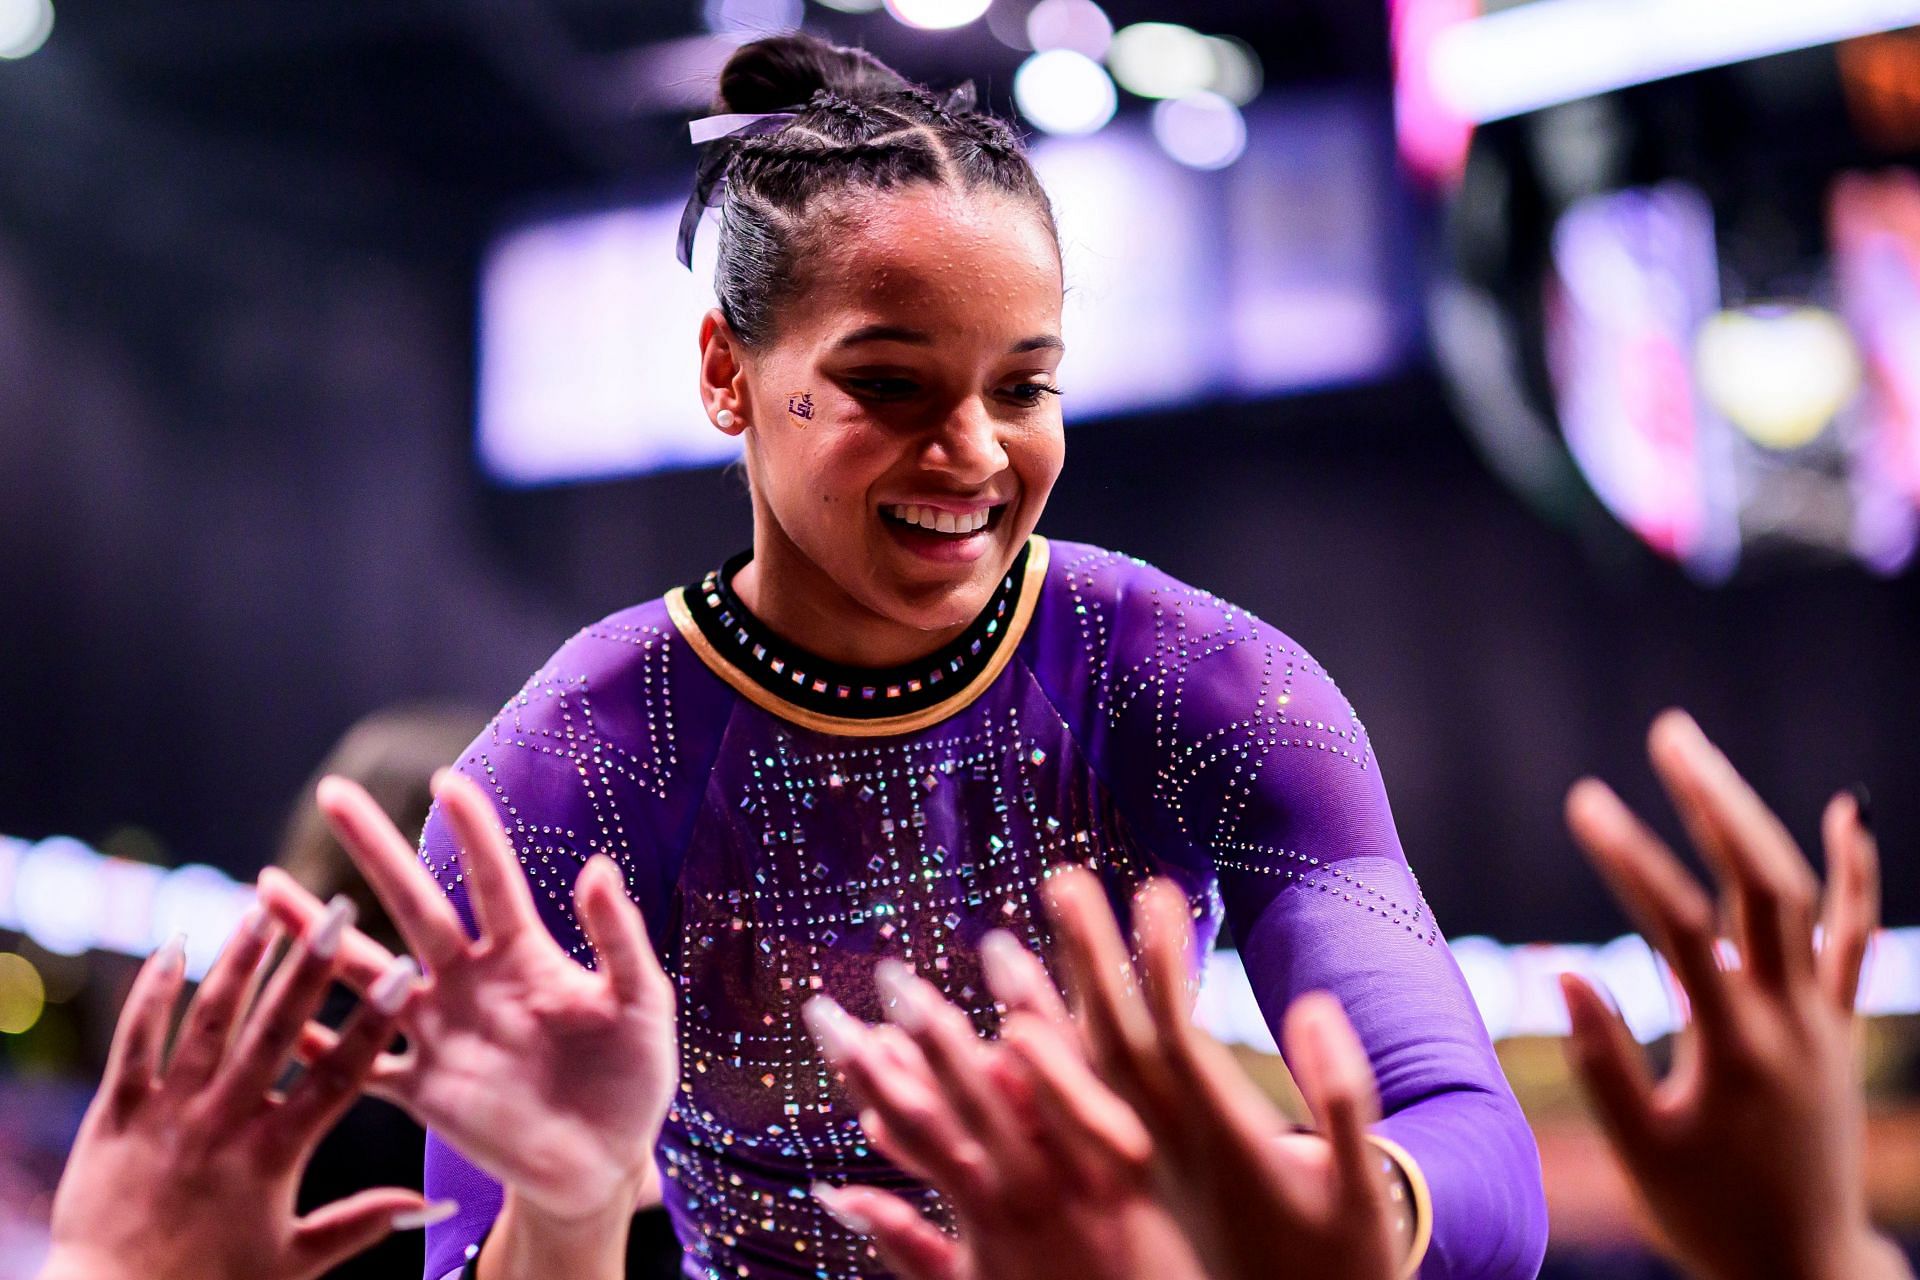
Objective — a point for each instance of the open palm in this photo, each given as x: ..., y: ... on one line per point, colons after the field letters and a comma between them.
x: 551, y: 1077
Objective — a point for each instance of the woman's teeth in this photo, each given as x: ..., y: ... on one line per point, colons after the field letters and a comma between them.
x: 938, y: 521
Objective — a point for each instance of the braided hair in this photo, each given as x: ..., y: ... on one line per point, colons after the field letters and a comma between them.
x: 858, y: 125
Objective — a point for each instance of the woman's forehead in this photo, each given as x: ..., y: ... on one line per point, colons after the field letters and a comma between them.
x: 935, y: 259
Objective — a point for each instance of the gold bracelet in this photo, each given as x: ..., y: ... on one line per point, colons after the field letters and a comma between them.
x: 1400, y: 1161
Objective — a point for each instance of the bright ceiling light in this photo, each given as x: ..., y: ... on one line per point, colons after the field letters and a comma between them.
x: 753, y: 17
x: 24, y: 26
x: 1064, y: 92
x: 1161, y: 59
x: 1079, y: 25
x: 1202, y: 130
x: 937, y: 15
x: 1539, y: 55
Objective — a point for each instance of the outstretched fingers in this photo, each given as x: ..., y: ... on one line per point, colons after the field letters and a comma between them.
x: 361, y: 960
x: 1163, y: 938
x: 890, y: 1079
x: 1337, y: 1082
x: 140, y: 1037
x: 618, y: 933
x: 496, y: 886
x: 1080, y: 1120
x: 335, y: 1076
x: 959, y: 1062
x: 335, y: 1232
x: 207, y: 1031
x: 1611, y: 1068
x: 1668, y: 904
x: 1099, y: 977
x: 1759, y: 865
x: 1852, y: 908
x: 418, y: 909
x: 273, y: 1027
x: 1018, y: 979
x: 912, y: 1247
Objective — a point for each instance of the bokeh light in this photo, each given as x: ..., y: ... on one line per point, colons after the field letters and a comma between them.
x: 851, y: 6
x: 1201, y: 130
x: 1779, y: 374
x: 56, y: 894
x: 937, y: 15
x: 22, y: 995
x: 1079, y: 25
x: 1161, y: 59
x: 752, y: 17
x: 1237, y: 73
x: 24, y: 26
x: 1064, y: 92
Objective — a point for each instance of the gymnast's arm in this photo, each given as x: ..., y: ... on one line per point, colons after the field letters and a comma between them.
x: 1232, y: 752
x: 1320, y: 897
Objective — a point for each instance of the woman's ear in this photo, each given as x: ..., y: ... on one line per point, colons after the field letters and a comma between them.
x: 723, y: 374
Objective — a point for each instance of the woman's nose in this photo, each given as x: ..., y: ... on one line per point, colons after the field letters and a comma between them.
x: 968, y: 445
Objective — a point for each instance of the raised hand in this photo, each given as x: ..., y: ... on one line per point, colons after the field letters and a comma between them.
x: 1749, y: 1154
x: 551, y: 1077
x: 186, y: 1168
x: 1246, y: 1188
x: 1047, y: 1174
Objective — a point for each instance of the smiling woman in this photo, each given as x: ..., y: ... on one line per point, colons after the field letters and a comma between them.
x: 875, y: 734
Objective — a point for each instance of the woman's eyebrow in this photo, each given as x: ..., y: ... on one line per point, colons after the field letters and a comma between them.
x: 921, y: 338
x: 885, y: 333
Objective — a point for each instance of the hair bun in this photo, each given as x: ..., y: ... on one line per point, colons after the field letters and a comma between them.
x: 786, y: 71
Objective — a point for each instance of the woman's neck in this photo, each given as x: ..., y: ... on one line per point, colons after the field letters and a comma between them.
x: 802, y: 604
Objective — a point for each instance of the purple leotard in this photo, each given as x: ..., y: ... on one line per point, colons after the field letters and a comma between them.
x: 783, y: 823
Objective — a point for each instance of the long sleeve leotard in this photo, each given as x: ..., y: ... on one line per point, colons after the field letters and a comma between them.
x: 784, y: 822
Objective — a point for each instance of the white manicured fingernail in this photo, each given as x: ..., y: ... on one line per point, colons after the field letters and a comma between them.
x: 427, y: 1215
x: 253, y: 923
x: 395, y: 983
x: 1001, y: 959
x: 833, y: 1200
x: 906, y: 1006
x: 172, y: 953
x: 833, y: 1029
x: 333, y: 927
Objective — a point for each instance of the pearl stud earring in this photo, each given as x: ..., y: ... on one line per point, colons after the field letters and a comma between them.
x: 724, y: 419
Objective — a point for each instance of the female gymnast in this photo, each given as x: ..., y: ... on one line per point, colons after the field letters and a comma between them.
x: 873, y: 734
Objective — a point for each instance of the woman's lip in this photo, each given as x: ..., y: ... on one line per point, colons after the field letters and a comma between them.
x: 942, y: 548
x: 952, y: 506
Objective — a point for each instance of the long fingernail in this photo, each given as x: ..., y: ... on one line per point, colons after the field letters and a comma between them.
x: 1863, y: 804
x: 833, y: 1200
x: 905, y: 1003
x: 832, y: 1027
x: 395, y: 983
x: 253, y: 923
x: 1001, y: 957
x: 439, y: 780
x: 427, y: 1215
x: 333, y: 926
x: 172, y: 953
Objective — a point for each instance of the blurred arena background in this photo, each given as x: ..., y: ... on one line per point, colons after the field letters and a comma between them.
x: 1536, y: 364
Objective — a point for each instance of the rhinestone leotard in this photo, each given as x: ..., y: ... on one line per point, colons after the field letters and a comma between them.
x: 784, y: 823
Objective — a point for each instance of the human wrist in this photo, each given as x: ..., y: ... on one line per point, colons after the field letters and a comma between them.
x: 529, y: 1239
x: 1868, y: 1255
x: 67, y: 1263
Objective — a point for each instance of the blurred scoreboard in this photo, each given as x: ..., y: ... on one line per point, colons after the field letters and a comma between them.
x: 1683, y: 246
